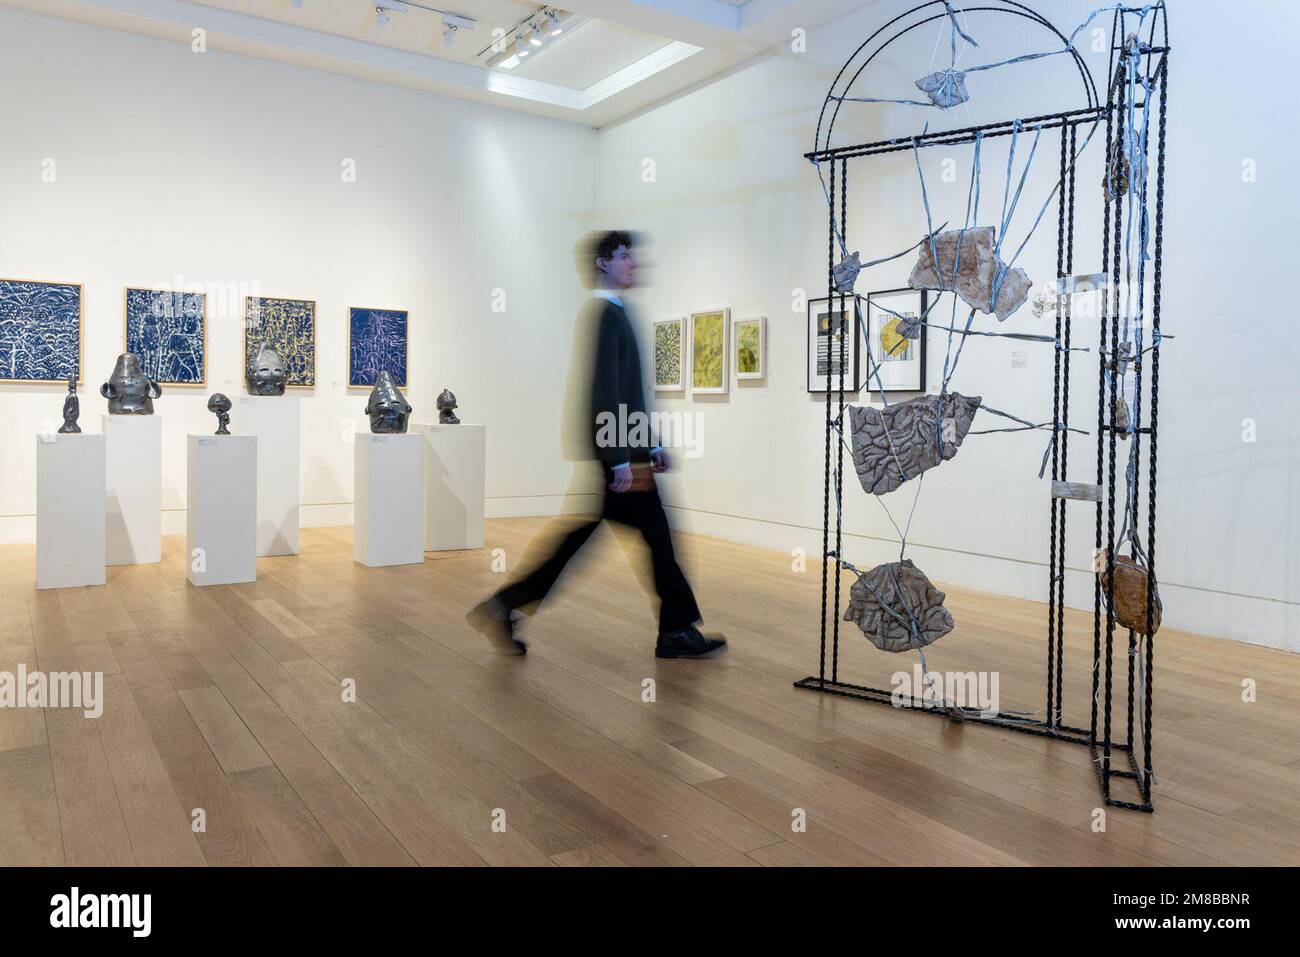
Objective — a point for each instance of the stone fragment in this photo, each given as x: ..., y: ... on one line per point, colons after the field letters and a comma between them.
x: 977, y: 270
x: 945, y: 88
x: 1131, y: 581
x: 845, y: 272
x: 900, y: 441
x: 898, y: 608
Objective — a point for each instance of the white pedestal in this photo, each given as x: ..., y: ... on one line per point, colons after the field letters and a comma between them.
x: 221, y: 509
x: 71, y: 527
x: 389, y: 510
x: 133, y: 482
x: 276, y: 420
x: 455, y: 467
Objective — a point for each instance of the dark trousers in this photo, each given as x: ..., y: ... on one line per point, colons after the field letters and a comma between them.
x: 645, y: 512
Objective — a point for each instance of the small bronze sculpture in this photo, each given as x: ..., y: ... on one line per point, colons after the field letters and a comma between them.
x: 220, y: 406
x: 128, y: 390
x: 266, y: 376
x: 71, y: 407
x: 447, y: 407
x: 387, y: 407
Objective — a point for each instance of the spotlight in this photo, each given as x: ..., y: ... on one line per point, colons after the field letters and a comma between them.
x: 448, y: 35
x: 535, y: 38
x: 521, y: 47
x: 381, y: 18
x: 553, y: 22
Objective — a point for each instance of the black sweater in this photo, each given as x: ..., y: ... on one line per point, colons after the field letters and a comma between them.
x: 616, y: 381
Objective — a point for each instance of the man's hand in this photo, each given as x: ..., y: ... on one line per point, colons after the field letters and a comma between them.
x: 622, y: 480
x: 659, y: 461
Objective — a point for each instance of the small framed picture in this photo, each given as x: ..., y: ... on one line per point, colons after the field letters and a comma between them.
x: 897, y: 363
x: 670, y: 354
x: 709, y: 354
x: 833, y: 344
x: 750, y: 338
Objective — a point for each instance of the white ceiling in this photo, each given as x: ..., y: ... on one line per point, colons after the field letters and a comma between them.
x: 623, y: 55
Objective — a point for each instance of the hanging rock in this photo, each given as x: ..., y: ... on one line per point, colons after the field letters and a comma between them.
x: 845, y: 272
x: 898, y: 608
x: 1115, y: 182
x: 1044, y: 301
x: 1131, y: 582
x: 945, y: 88
x: 977, y: 270
x: 899, y: 442
x: 1123, y: 421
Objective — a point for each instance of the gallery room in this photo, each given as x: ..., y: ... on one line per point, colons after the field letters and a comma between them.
x: 647, y: 432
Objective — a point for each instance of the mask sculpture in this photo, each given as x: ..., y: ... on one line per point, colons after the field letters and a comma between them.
x: 128, y: 390
x: 266, y: 376
x: 899, y: 442
x: 71, y: 408
x: 898, y: 608
x: 387, y: 407
x: 447, y: 408
x: 978, y: 267
x: 219, y: 405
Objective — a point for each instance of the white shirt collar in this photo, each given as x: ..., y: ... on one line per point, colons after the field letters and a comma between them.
x: 611, y: 297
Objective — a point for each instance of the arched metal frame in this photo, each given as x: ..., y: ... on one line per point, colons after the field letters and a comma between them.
x: 1101, y: 736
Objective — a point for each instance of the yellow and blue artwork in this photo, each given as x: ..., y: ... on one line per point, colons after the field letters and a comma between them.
x: 289, y: 325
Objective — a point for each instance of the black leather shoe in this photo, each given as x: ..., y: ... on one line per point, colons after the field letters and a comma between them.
x: 494, y: 620
x: 688, y: 642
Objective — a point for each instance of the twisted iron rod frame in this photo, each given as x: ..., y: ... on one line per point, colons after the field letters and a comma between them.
x: 1104, y: 746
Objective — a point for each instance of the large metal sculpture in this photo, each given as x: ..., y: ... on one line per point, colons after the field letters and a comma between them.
x: 973, y: 267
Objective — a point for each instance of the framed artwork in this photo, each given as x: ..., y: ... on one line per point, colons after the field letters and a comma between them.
x: 40, y: 331
x: 670, y: 354
x: 833, y: 344
x: 897, y: 363
x: 376, y: 342
x: 750, y: 338
x: 169, y: 332
x: 709, y: 351
x: 290, y: 326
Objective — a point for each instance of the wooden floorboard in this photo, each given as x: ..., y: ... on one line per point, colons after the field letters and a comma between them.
x: 332, y: 714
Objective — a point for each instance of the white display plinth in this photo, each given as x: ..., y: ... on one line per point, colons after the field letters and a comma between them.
x: 71, y: 526
x: 276, y: 420
x: 455, y: 466
x: 389, y: 511
x: 133, y: 483
x: 221, y: 509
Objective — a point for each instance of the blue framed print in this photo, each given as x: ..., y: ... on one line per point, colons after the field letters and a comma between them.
x: 169, y: 332
x: 290, y: 326
x: 377, y: 340
x: 40, y: 331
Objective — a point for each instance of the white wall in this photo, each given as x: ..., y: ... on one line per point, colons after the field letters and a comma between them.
x: 737, y: 219
x: 226, y: 171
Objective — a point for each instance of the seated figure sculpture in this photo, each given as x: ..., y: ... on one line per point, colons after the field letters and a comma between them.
x: 128, y: 390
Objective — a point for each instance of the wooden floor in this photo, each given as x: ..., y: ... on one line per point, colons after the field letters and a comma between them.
x: 230, y: 700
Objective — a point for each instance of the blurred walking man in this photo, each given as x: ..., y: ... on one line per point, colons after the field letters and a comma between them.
x: 629, y: 461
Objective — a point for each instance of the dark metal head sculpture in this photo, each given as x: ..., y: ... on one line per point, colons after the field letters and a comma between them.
x: 267, y: 375
x: 219, y: 405
x: 71, y: 407
x: 447, y: 408
x: 128, y: 390
x: 387, y: 407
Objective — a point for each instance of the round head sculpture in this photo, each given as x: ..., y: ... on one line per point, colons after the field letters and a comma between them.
x: 447, y: 407
x: 71, y: 408
x: 387, y: 407
x: 219, y: 405
x: 267, y: 376
x: 128, y: 390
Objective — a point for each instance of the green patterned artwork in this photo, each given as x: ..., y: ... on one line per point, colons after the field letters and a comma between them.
x: 751, y: 348
x: 670, y: 342
x: 709, y: 351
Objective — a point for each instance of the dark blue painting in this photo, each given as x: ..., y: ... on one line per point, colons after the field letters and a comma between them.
x: 40, y: 331
x: 168, y: 331
x: 376, y: 341
x: 290, y: 326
